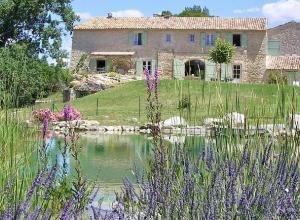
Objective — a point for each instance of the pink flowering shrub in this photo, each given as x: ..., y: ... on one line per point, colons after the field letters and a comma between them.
x: 42, y: 114
x: 68, y: 114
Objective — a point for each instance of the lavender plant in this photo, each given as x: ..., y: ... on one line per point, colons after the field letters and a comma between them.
x: 257, y: 183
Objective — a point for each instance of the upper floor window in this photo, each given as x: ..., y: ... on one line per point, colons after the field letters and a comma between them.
x: 192, y: 38
x: 210, y: 39
x: 138, y: 39
x: 168, y: 38
x: 237, y: 40
x: 237, y: 71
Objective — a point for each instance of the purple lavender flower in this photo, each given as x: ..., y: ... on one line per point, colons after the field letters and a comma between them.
x: 45, y: 126
x: 34, y: 185
x: 67, y: 112
x: 148, y: 80
x: 155, y: 80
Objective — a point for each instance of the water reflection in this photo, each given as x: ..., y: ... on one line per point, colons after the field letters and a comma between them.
x: 107, y: 159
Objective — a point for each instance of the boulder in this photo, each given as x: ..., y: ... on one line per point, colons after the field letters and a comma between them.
x: 173, y: 122
x: 295, y: 119
x: 235, y: 119
x: 211, y: 122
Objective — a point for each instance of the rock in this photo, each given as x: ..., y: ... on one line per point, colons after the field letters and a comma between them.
x: 134, y: 119
x: 173, y: 122
x: 295, y: 120
x: 211, y: 122
x: 82, y: 125
x: 235, y: 119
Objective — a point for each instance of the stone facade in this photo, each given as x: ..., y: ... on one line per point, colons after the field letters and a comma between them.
x: 289, y: 36
x: 251, y: 57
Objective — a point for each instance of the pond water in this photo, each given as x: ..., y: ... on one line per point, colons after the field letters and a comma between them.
x: 107, y: 159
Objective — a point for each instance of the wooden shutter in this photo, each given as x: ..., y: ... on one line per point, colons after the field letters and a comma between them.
x: 139, y: 69
x: 202, y: 40
x: 274, y: 47
x: 145, y: 39
x: 226, y: 71
x: 178, y: 69
x: 130, y: 38
x: 230, y: 38
x: 93, y: 64
x: 217, y: 35
x: 245, y: 40
x: 153, y: 66
x: 108, y: 65
x: 210, y: 70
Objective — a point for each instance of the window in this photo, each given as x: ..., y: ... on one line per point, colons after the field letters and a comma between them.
x: 138, y: 39
x: 210, y: 40
x: 147, y: 65
x: 101, y: 66
x: 168, y: 38
x: 237, y: 71
x: 192, y: 38
x: 236, y: 40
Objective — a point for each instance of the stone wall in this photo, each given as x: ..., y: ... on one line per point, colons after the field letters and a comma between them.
x: 251, y: 58
x: 289, y: 35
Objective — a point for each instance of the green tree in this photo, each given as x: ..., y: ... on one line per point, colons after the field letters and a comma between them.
x: 195, y: 11
x: 166, y: 13
x: 39, y: 23
x: 223, y: 52
x: 24, y: 78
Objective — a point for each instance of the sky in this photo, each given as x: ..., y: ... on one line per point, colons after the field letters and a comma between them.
x: 277, y: 11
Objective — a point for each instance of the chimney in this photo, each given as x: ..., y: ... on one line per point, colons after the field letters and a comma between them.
x: 109, y: 15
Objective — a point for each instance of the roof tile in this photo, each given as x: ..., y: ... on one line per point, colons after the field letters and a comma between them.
x: 174, y: 23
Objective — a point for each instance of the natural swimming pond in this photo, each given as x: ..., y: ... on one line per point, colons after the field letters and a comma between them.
x: 107, y: 159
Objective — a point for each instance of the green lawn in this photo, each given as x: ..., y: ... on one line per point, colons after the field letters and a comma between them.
x: 120, y: 105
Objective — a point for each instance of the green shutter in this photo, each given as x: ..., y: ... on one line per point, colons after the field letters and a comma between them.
x: 274, y: 47
x: 130, y: 38
x: 210, y: 70
x: 245, y: 40
x: 139, y: 69
x: 178, y: 69
x: 218, y: 35
x: 226, y: 71
x: 230, y: 38
x: 108, y: 65
x: 93, y: 65
x: 153, y: 66
x: 145, y: 39
x: 202, y: 40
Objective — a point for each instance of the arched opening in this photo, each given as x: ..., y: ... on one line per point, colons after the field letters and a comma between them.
x: 195, y: 68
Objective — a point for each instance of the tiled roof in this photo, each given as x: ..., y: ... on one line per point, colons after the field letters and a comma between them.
x: 283, y: 62
x: 174, y: 23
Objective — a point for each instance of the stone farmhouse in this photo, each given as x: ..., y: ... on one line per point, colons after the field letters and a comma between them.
x: 177, y: 46
x: 284, y: 50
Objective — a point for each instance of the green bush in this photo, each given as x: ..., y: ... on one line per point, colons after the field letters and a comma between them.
x: 26, y: 77
x: 112, y: 74
x: 276, y: 77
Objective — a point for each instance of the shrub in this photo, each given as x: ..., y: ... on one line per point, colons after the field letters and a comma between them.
x: 112, y: 74
x: 277, y: 77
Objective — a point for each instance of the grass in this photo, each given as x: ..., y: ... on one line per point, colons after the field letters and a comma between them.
x: 120, y: 105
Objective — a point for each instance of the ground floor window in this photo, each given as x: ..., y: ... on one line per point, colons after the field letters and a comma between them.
x: 237, y: 69
x: 101, y: 66
x: 147, y: 65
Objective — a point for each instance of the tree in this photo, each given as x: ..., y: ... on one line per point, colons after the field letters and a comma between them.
x: 166, y: 13
x: 223, y: 52
x: 195, y: 11
x: 38, y: 23
x: 24, y: 78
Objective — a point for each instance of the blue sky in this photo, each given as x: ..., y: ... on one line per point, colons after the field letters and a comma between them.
x: 277, y: 11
